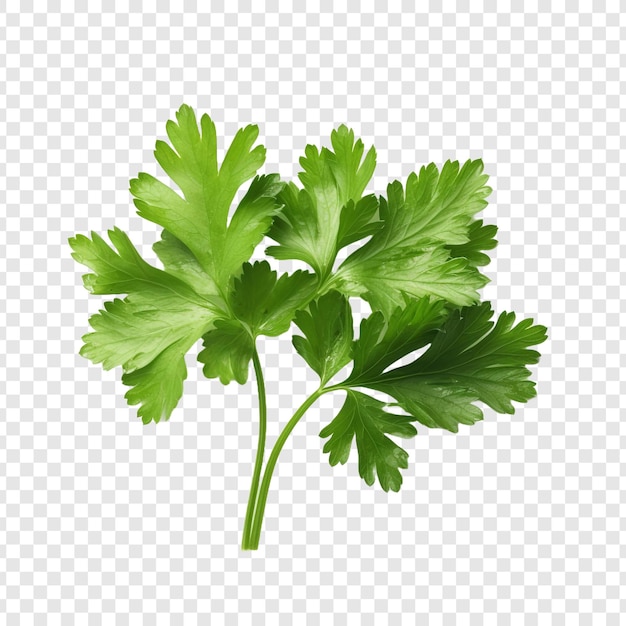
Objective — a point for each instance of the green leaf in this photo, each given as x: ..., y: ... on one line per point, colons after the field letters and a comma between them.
x: 250, y: 221
x: 199, y: 219
x: 363, y: 418
x: 149, y: 331
x: 382, y: 342
x: 158, y: 387
x: 316, y: 222
x: 227, y: 352
x: 178, y: 260
x: 159, y: 310
x: 351, y: 171
x: 167, y: 311
x: 481, y: 237
x: 148, y: 334
x: 469, y: 359
x: 134, y: 331
x: 266, y: 303
x: 261, y: 304
x: 358, y: 220
x: 408, y: 253
x: 327, y: 327
x: 386, y: 278
x: 121, y: 269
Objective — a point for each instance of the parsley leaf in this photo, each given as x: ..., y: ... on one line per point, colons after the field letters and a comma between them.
x: 327, y: 327
x: 408, y: 253
x: 166, y: 311
x: 199, y: 219
x: 159, y: 310
x: 227, y: 352
x: 480, y: 237
x: 149, y: 331
x: 470, y: 358
x: 261, y: 304
x: 363, y: 418
x: 266, y: 303
x: 383, y: 342
x: 329, y: 212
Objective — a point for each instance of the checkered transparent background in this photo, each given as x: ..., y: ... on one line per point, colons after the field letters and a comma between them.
x: 516, y: 520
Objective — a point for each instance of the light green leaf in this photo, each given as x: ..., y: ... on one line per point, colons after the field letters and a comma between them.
x: 384, y: 279
x: 199, y: 219
x: 148, y: 332
x: 358, y: 220
x: 158, y: 386
x: 178, y: 260
x: 134, y: 331
x: 408, y: 253
x: 159, y: 311
x: 316, y: 222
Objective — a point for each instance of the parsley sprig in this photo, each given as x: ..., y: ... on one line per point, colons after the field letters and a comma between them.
x: 417, y: 267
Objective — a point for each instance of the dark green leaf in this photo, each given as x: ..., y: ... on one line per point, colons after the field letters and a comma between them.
x: 381, y: 343
x: 227, y: 352
x: 266, y: 303
x: 481, y: 237
x: 327, y: 327
x: 470, y: 359
x: 364, y: 418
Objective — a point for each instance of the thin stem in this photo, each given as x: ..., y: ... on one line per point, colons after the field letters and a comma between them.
x: 256, y: 475
x: 255, y: 533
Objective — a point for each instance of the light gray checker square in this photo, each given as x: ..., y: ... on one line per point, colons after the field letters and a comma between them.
x: 516, y: 520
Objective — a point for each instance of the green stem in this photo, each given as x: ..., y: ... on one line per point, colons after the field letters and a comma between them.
x: 256, y: 475
x: 255, y: 533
